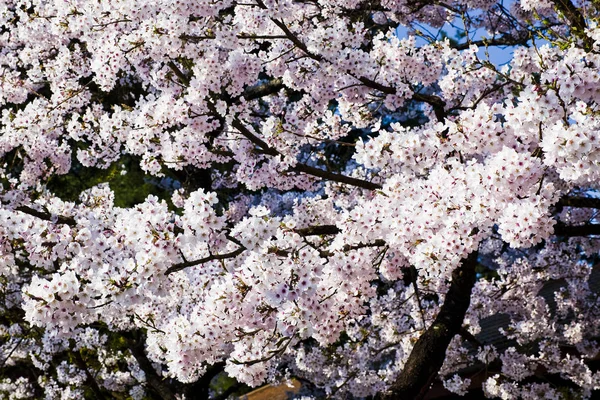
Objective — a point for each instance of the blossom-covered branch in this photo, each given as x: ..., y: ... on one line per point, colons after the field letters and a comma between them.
x: 271, y: 190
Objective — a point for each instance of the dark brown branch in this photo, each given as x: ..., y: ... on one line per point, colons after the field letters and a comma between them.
x: 152, y: 378
x: 197, y: 38
x: 247, y: 133
x: 263, y: 89
x: 506, y: 40
x: 577, y: 230
x: 429, y: 352
x: 576, y: 21
x: 376, y: 243
x: 437, y: 103
x: 468, y: 336
x: 377, y: 86
x: 274, y: 353
x: 91, y: 381
x: 434, y: 101
x: 581, y: 202
x: 46, y: 216
x: 212, y: 257
x: 520, y: 38
x: 331, y: 176
x: 307, y: 169
x: 290, y: 35
x: 183, y: 78
x: 10, y: 353
x: 318, y: 230
x: 297, y: 42
x: 483, y: 95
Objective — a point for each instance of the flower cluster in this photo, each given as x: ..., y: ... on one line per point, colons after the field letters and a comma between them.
x: 339, y: 188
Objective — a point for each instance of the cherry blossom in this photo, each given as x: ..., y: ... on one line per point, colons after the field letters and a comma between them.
x: 371, y: 212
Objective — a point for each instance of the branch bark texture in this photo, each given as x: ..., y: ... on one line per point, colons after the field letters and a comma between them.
x: 429, y: 352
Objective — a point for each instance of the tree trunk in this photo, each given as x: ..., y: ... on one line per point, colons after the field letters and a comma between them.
x: 429, y: 352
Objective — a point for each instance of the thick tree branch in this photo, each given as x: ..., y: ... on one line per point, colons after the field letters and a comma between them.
x: 153, y: 379
x: 436, y: 102
x: 576, y: 21
x: 212, y: 257
x: 377, y: 86
x: 263, y: 89
x: 331, y: 176
x: 247, y: 133
x: 183, y: 78
x: 46, y: 216
x: 429, y: 352
x: 318, y: 230
x: 91, y: 381
x: 307, y: 169
x: 506, y: 40
x: 581, y: 202
x: 577, y: 230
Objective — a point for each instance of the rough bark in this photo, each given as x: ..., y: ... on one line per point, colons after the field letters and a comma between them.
x: 576, y: 230
x: 90, y: 380
x: 576, y: 21
x: 579, y: 202
x: 429, y: 352
x: 136, y: 346
x: 46, y: 216
x: 200, y: 390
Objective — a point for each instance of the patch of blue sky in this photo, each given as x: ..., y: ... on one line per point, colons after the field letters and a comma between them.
x: 497, y: 55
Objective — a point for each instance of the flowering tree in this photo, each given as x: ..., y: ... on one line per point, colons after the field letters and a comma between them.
x: 353, y: 205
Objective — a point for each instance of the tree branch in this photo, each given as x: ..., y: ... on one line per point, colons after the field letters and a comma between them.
x: 290, y: 35
x: 197, y: 38
x: 504, y: 40
x: 582, y: 202
x: 247, y: 133
x: 436, y: 102
x: 294, y: 39
x: 263, y: 89
x: 576, y: 21
x: 561, y: 229
x: 156, y: 382
x: 307, y: 169
x: 318, y: 230
x: 46, y: 216
x: 331, y: 176
x: 212, y: 257
x: 183, y: 78
x: 429, y: 352
x: 98, y: 393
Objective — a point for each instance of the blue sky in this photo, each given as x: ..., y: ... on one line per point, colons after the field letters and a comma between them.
x: 497, y: 55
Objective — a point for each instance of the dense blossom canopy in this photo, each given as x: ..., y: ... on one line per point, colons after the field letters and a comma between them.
x: 344, y: 204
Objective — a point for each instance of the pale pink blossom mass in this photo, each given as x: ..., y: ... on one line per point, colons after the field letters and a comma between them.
x: 380, y: 217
